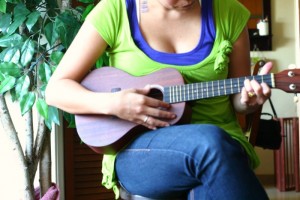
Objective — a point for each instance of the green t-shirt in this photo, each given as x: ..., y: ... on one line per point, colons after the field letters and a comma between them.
x: 110, y: 19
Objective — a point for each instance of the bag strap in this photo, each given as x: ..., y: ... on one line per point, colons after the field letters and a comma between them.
x: 272, y: 106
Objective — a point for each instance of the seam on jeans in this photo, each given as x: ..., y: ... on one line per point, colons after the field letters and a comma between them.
x: 167, y: 150
x: 176, y: 151
x: 196, y: 161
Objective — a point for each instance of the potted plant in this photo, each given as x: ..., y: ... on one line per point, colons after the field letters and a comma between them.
x: 34, y: 35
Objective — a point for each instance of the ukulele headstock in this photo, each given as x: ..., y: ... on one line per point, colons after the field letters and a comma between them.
x: 288, y: 80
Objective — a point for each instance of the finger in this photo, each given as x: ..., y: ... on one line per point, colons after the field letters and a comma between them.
x: 256, y: 87
x: 151, y: 101
x: 266, y: 90
x: 144, y: 91
x: 262, y: 91
x: 158, y: 113
x: 244, y: 96
x: 153, y: 123
x: 155, y: 103
x: 248, y: 86
x: 266, y: 68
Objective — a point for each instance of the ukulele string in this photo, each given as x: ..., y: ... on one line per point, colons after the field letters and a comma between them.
x: 210, y: 89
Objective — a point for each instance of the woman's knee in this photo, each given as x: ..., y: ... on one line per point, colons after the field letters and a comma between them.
x: 213, y: 136
x: 215, y: 142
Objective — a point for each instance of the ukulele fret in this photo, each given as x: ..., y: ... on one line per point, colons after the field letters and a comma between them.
x: 224, y: 83
x: 176, y: 93
x: 199, y: 86
x: 231, y: 86
x: 212, y: 89
x: 206, y: 90
x: 188, y: 92
x: 179, y: 91
x: 218, y: 87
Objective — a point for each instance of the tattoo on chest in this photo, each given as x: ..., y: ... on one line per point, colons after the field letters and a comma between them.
x: 144, y: 6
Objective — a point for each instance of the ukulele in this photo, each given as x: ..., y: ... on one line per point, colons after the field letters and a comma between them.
x: 107, y: 134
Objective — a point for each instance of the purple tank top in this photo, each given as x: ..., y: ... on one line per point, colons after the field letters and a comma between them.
x: 199, y: 53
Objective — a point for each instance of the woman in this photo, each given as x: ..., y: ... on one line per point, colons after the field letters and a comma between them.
x: 205, y: 40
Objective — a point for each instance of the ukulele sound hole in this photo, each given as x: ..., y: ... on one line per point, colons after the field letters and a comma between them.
x: 156, y: 93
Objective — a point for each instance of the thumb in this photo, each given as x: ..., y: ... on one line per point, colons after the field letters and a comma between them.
x: 266, y: 68
x: 144, y: 90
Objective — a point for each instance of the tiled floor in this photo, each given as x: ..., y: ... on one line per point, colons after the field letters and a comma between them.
x: 275, y: 194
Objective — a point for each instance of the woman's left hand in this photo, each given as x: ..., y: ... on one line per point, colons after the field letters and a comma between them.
x: 253, y: 93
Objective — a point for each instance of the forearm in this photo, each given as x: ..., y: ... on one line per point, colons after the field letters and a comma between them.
x: 71, y: 97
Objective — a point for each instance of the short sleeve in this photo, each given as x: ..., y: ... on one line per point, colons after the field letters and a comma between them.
x: 231, y: 18
x: 105, y: 17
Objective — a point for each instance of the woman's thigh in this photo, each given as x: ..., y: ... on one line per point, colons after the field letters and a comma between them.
x: 175, y: 160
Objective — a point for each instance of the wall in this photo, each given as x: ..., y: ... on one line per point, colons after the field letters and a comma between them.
x: 284, y: 53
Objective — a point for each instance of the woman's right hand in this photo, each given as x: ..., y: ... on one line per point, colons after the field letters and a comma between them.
x: 134, y: 105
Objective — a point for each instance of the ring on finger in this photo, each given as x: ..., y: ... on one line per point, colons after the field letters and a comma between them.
x: 251, y: 94
x: 146, y: 119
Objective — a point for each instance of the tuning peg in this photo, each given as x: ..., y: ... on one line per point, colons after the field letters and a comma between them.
x: 296, y: 98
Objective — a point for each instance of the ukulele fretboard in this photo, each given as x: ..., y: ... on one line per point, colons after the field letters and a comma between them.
x: 202, y: 90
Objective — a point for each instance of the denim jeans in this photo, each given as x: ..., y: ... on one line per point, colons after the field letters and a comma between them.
x: 197, y: 161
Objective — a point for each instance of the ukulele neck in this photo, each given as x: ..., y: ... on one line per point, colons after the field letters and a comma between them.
x: 202, y: 90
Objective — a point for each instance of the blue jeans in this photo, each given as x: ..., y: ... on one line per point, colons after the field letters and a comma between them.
x: 198, y: 161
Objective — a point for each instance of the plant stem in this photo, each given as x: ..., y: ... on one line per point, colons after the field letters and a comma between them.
x: 15, y: 145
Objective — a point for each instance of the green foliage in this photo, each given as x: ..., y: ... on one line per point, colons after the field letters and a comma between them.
x: 34, y: 35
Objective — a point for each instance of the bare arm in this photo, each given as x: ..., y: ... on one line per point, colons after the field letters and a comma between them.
x: 239, y: 67
x: 65, y: 92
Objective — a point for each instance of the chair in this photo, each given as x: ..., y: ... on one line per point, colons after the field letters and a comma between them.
x: 249, y: 124
x: 127, y: 196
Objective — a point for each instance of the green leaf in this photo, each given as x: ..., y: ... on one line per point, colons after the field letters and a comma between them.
x: 87, y: 10
x: 70, y: 118
x: 86, y: 1
x: 52, y: 6
x: 14, y: 1
x: 53, y: 115
x: 27, y: 52
x: 27, y: 102
x: 10, y: 40
x: 42, y: 89
x: 44, y: 72
x: 7, y: 84
x: 2, y: 6
x: 20, y: 15
x: 10, y: 69
x: 22, y: 86
x: 12, y: 93
x: 20, y: 11
x: 32, y: 19
x: 5, y: 20
x: 2, y: 77
x: 42, y: 108
x: 63, y: 24
x: 51, y: 33
x: 15, y: 25
x: 56, y: 57
x: 12, y: 55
